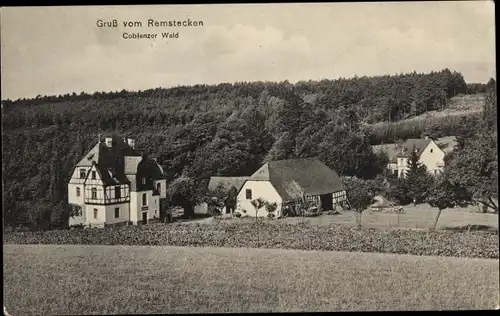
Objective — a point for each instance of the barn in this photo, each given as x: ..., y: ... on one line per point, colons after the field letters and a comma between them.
x: 291, y: 184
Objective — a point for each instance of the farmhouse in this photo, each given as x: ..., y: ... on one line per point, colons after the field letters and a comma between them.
x: 113, y: 184
x: 429, y: 152
x: 290, y: 184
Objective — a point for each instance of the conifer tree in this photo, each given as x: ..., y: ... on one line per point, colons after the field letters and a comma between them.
x: 417, y: 178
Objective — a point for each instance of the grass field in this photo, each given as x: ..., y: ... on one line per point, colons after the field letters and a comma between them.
x: 41, y: 280
x: 416, y: 217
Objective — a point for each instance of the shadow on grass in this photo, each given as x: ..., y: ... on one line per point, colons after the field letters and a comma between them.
x: 194, y: 217
x: 472, y: 228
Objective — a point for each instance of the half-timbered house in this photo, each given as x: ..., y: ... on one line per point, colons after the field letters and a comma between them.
x: 113, y: 184
x: 292, y: 184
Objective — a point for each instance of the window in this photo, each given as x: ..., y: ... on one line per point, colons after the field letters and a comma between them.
x: 117, y: 212
x: 96, y: 212
x: 118, y: 192
x: 158, y: 187
x: 143, y: 180
x: 249, y: 194
x: 144, y: 199
x: 83, y: 173
x: 93, y: 175
x: 77, y: 191
x: 431, y: 150
x: 395, y: 172
x: 94, y: 193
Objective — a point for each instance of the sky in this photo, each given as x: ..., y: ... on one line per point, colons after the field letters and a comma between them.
x: 58, y: 50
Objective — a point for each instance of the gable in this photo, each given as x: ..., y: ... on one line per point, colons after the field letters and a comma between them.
x: 262, y: 173
x: 98, y: 177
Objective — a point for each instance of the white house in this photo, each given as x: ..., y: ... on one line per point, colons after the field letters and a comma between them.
x: 429, y: 152
x: 289, y: 183
x: 114, y: 185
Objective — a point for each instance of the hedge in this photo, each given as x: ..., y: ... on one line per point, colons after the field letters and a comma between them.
x: 478, y: 244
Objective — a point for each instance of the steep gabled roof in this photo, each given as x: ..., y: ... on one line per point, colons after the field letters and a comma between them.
x: 109, y: 176
x: 105, y: 156
x: 131, y: 164
x: 226, y: 182
x: 295, y: 178
x: 420, y: 145
x: 115, y: 162
x: 394, y: 151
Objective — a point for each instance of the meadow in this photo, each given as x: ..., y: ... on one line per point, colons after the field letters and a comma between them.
x: 70, y: 279
x: 421, y: 216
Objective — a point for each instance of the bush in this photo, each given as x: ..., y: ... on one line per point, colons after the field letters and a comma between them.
x: 263, y: 234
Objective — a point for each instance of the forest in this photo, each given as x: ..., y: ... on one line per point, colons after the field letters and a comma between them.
x: 227, y: 130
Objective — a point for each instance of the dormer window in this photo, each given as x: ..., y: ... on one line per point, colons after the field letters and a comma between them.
x: 158, y: 187
x: 83, y: 173
x: 143, y: 180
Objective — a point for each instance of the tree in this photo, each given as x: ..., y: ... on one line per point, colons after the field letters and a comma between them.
x: 444, y: 194
x: 360, y: 195
x: 221, y: 197
x: 258, y: 204
x: 271, y: 208
x: 417, y: 178
x: 182, y: 192
x: 399, y: 191
x: 475, y: 168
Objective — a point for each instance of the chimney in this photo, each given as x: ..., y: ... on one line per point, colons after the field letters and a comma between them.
x: 109, y: 141
x: 131, y: 142
x: 426, y: 137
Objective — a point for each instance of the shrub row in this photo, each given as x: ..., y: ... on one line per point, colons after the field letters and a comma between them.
x: 274, y: 235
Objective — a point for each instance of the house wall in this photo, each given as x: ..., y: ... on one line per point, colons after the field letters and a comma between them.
x: 76, y: 182
x: 393, y: 167
x: 75, y: 177
x: 124, y: 213
x: 339, y: 196
x: 163, y: 188
x: 72, y: 197
x: 89, y: 214
x: 433, y: 158
x: 111, y: 196
x: 94, y: 184
x: 136, y: 208
x: 260, y: 189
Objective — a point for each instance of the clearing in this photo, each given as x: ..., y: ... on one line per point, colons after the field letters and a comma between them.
x: 48, y: 279
x: 457, y: 106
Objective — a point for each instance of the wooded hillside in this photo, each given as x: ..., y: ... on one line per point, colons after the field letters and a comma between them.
x: 199, y: 131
